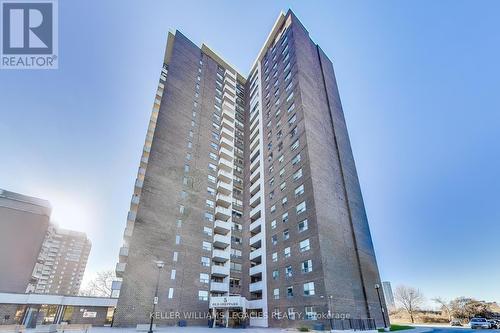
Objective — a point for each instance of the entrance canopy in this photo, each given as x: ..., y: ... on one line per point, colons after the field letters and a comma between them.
x: 226, y: 302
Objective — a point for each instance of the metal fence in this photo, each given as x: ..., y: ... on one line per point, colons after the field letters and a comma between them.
x: 353, y: 324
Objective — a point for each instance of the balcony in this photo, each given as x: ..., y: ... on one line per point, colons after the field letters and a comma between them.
x: 255, y: 239
x: 224, y: 153
x: 224, y: 176
x: 255, y: 199
x: 222, y: 213
x: 258, y: 269
x: 256, y: 253
x: 139, y: 183
x: 226, y: 143
x: 222, y: 227
x: 221, y: 241
x: 255, y: 175
x: 220, y: 255
x: 131, y: 216
x: 135, y: 199
x: 220, y: 271
x: 225, y: 133
x: 255, y: 143
x: 224, y: 188
x: 128, y: 232
x: 255, y: 164
x: 123, y: 253
x: 219, y: 286
x: 226, y: 165
x: 255, y: 188
x: 120, y: 269
x: 223, y: 200
x: 256, y: 212
x: 256, y: 286
x: 255, y: 224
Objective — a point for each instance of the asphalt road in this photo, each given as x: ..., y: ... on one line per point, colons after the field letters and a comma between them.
x: 459, y: 330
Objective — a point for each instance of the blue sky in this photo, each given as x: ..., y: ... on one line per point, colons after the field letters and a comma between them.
x: 419, y: 82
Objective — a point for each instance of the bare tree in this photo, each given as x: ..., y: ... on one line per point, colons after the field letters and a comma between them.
x: 445, y: 306
x: 100, y: 285
x: 410, y: 299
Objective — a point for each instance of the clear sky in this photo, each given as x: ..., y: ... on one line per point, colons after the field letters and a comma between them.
x: 419, y: 81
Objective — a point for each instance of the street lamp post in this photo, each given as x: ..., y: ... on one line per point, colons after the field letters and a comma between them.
x: 330, y: 314
x: 159, y: 265
x: 377, y: 287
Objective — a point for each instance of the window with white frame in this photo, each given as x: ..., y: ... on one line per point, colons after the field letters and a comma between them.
x: 304, y: 245
x: 306, y: 266
x: 309, y: 289
x: 204, y: 278
x: 299, y: 191
x: 301, y: 207
x: 203, y: 295
x: 302, y: 225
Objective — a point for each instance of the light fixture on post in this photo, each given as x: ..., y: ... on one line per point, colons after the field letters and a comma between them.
x: 159, y: 265
x: 377, y: 287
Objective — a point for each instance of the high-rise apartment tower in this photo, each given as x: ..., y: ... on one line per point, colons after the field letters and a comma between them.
x: 248, y: 194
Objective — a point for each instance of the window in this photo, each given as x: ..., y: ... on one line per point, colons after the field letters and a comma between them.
x: 310, y: 314
x: 301, y: 207
x: 181, y: 209
x: 210, y: 203
x: 276, y: 293
x: 170, y: 292
x: 176, y: 256
x: 304, y: 245
x: 291, y: 108
x: 295, y: 145
x: 207, y: 246
x: 288, y: 271
x: 289, y: 86
x: 299, y: 191
x: 235, y: 253
x: 177, y: 239
x: 302, y: 226
x: 210, y: 191
x: 273, y: 224
x: 207, y: 231
x: 203, y: 295
x: 212, y: 179
x: 212, y: 167
x: 288, y: 76
x: 172, y: 274
x: 286, y: 234
x: 309, y: 289
x: 275, y: 275
x: 205, y: 261
x: 190, y: 145
x: 234, y: 282
x: 282, y: 172
x: 289, y: 291
x: 204, y: 278
x: 275, y: 256
x: 297, y: 175
x: 281, y: 158
x: 235, y: 266
x: 209, y: 217
x: 283, y: 186
x: 291, y: 313
x: 271, y: 181
x: 296, y: 159
x: 287, y: 252
x: 284, y: 217
x: 212, y: 156
x: 274, y: 239
x: 307, y: 266
x: 273, y: 208
x: 284, y: 201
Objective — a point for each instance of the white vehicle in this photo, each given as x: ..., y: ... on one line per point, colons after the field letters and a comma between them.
x: 479, y: 323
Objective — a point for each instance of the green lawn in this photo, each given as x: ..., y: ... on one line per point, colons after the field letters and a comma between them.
x: 398, y: 328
